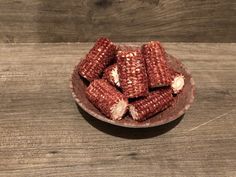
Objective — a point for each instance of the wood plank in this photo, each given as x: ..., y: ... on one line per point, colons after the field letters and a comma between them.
x: 133, y: 20
x: 42, y: 133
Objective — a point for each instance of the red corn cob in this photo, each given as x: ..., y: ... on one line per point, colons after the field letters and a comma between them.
x: 155, y: 102
x: 157, y: 70
x: 107, y: 99
x: 177, y: 82
x: 132, y: 73
x: 111, y: 75
x: 97, y: 59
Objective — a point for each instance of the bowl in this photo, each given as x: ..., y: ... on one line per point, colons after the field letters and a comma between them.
x: 182, y: 101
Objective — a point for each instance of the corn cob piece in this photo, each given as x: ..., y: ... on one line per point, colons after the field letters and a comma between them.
x: 155, y: 102
x: 111, y: 75
x: 132, y: 73
x: 157, y: 69
x: 177, y: 82
x: 107, y: 99
x: 97, y: 59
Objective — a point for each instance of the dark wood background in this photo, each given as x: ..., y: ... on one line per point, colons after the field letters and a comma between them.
x: 121, y: 20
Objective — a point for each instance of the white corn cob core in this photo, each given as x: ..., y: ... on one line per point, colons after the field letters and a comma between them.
x: 133, y: 112
x: 119, y: 109
x: 178, y: 83
x: 115, y: 75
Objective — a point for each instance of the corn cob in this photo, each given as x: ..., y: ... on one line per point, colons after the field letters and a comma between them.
x: 155, y: 102
x: 177, y: 82
x: 107, y: 99
x: 97, y: 59
x: 111, y: 75
x: 132, y: 73
x: 157, y: 70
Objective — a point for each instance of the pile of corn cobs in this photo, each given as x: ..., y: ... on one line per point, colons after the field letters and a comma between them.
x: 128, y: 78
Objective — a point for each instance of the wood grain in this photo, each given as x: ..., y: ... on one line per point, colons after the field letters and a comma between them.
x: 133, y: 20
x: 42, y: 132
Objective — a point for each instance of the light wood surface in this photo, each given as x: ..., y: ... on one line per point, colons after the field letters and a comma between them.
x: 42, y: 132
x: 121, y: 20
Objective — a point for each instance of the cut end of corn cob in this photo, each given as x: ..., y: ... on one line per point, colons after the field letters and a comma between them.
x: 177, y: 84
x: 119, y: 109
x: 133, y: 112
x: 111, y: 75
x: 115, y: 75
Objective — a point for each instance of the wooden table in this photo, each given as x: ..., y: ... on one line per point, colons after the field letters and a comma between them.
x: 42, y: 132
